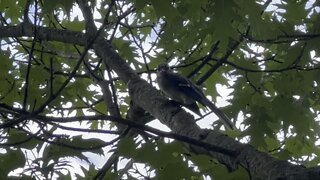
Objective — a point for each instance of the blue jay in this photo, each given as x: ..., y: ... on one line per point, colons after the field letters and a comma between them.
x: 184, y: 92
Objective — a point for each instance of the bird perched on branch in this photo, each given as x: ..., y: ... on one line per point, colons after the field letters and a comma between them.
x: 184, y: 92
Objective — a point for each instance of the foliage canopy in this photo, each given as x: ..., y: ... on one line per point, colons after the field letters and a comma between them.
x: 66, y: 66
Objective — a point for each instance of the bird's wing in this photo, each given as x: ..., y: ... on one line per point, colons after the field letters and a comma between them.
x: 186, y: 86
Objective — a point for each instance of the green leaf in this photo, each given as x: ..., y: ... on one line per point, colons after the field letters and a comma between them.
x: 165, y: 8
x: 73, y: 148
x: 49, y: 6
x: 221, y: 22
x: 140, y: 4
x: 126, y: 50
x: 91, y: 172
x: 127, y: 147
x: 11, y: 160
x: 19, y: 137
x: 178, y: 170
x: 74, y: 25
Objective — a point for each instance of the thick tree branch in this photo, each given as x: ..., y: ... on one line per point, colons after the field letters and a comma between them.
x: 283, y: 38
x: 88, y: 16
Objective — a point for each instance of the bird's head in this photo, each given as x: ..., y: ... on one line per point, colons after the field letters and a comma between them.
x: 163, y: 68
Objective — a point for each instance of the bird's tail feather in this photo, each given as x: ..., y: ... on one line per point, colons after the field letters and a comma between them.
x: 222, y: 116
